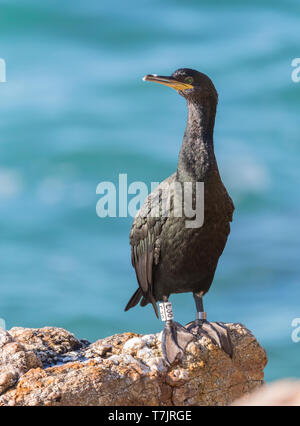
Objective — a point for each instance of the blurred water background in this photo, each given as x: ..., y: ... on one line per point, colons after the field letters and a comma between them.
x: 75, y: 112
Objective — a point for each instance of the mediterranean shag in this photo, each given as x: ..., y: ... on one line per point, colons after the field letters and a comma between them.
x: 169, y: 257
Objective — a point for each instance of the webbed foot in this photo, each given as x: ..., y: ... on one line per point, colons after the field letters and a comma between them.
x: 216, y: 331
x: 175, y: 338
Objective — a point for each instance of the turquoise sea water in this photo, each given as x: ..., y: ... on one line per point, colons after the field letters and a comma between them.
x: 75, y: 112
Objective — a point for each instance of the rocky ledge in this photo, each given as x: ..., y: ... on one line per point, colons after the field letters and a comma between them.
x: 49, y: 366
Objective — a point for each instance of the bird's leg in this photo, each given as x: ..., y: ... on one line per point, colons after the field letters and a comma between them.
x: 175, y: 337
x: 217, y: 332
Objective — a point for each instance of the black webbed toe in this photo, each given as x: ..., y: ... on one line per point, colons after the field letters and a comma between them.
x: 216, y: 331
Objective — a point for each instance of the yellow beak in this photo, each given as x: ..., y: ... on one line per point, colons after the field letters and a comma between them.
x: 168, y: 81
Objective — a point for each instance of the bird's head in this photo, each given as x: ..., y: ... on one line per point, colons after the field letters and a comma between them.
x: 191, y: 84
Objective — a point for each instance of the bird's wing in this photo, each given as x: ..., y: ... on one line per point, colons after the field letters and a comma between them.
x: 230, y: 207
x: 145, y: 243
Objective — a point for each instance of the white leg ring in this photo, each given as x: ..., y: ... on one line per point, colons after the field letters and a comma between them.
x: 166, y: 311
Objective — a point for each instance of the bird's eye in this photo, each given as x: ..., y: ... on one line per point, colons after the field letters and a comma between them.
x: 189, y: 80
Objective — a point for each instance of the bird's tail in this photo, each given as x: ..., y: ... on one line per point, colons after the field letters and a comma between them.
x: 134, y: 300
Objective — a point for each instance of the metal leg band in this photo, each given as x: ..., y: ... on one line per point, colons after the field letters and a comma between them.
x: 201, y: 315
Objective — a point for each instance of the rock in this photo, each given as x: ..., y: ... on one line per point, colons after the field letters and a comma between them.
x: 283, y: 392
x: 52, y: 345
x: 125, y: 369
x: 15, y: 360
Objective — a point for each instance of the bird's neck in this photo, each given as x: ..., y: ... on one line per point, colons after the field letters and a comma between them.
x: 197, y: 152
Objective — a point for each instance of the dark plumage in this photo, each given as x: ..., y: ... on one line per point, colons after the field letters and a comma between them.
x: 167, y: 256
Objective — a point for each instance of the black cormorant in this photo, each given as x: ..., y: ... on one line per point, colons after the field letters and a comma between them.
x: 168, y: 256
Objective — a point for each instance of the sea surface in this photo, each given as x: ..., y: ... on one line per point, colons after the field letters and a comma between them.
x: 75, y: 112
